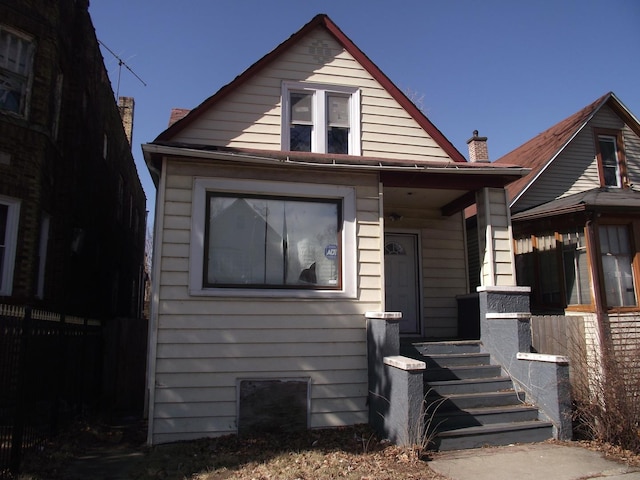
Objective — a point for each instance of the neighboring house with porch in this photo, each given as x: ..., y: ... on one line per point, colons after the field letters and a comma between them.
x: 304, y: 194
x: 576, y: 220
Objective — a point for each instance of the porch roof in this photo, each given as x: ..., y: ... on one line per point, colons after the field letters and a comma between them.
x: 445, y: 175
x: 604, y: 200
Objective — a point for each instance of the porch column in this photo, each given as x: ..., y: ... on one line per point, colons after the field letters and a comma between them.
x: 495, y: 239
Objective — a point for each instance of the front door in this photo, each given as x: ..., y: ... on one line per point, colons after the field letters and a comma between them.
x: 401, y: 279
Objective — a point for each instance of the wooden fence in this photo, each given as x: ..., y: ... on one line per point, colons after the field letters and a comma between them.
x: 562, y: 335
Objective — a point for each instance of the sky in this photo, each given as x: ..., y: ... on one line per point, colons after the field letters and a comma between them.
x: 507, y: 68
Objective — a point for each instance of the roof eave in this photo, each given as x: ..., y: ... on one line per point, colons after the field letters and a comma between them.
x: 500, y: 176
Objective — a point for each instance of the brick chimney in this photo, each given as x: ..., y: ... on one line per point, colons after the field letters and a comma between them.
x: 178, y: 114
x: 126, y: 106
x: 478, y: 151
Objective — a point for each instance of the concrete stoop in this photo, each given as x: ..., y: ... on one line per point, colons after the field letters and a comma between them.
x: 469, y: 401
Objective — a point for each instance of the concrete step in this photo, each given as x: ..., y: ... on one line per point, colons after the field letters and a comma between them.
x: 471, y: 417
x: 461, y: 401
x: 455, y: 347
x: 469, y: 385
x: 493, y: 435
x: 445, y: 360
x: 462, y: 372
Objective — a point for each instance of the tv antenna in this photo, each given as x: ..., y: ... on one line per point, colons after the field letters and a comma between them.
x: 120, y: 64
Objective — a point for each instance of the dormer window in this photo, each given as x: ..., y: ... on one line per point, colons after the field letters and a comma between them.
x: 610, y: 159
x: 320, y: 118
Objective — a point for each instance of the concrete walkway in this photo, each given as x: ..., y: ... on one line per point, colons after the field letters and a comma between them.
x: 537, y: 461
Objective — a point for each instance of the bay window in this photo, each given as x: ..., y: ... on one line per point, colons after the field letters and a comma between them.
x: 557, y: 266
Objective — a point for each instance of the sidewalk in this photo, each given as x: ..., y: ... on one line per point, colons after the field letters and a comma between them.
x: 537, y: 461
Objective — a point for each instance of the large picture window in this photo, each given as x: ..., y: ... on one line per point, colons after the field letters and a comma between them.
x: 275, y: 239
x: 320, y: 118
x: 268, y: 241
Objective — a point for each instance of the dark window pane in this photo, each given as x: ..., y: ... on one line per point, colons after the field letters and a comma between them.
x: 338, y: 140
x: 271, y: 241
x: 300, y: 138
x: 609, y: 161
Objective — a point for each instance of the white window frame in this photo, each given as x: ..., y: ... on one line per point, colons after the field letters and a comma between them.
x: 198, y: 212
x: 319, y: 102
x: 11, y: 242
x: 28, y: 77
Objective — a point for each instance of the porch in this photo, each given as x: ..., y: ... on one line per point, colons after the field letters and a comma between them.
x: 470, y: 393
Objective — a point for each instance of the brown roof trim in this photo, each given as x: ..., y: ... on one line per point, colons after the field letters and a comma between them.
x: 320, y: 20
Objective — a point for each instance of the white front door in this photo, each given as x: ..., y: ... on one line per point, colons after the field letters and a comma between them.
x: 401, y: 279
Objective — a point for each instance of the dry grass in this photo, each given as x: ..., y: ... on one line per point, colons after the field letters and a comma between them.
x: 351, y: 453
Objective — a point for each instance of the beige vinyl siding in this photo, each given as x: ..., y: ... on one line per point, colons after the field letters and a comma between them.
x: 444, y: 274
x: 206, y: 344
x: 575, y: 169
x: 250, y: 116
x: 497, y: 264
x: 443, y: 262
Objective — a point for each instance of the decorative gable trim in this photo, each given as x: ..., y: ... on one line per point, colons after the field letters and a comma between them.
x: 320, y: 20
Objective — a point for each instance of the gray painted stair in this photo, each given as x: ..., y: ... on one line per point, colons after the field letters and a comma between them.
x: 470, y: 402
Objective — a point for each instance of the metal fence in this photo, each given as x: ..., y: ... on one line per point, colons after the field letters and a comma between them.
x: 50, y: 369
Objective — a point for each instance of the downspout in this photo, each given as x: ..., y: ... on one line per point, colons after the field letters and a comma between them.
x: 383, y: 299
x: 152, y: 341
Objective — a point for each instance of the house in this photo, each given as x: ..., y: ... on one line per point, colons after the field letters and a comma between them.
x: 576, y: 219
x: 304, y: 196
x: 72, y: 209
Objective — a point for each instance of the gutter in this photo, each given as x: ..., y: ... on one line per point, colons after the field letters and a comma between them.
x: 453, y: 167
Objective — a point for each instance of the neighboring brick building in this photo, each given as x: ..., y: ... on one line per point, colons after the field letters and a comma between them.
x: 72, y: 209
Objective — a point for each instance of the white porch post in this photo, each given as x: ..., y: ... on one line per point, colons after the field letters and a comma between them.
x: 495, y: 239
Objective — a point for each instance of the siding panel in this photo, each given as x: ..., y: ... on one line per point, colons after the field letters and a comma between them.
x: 205, y: 344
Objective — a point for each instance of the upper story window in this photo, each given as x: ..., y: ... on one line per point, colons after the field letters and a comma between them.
x: 320, y: 118
x: 610, y: 159
x: 16, y: 57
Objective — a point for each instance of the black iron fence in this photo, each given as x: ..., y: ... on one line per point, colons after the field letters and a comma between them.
x: 50, y: 370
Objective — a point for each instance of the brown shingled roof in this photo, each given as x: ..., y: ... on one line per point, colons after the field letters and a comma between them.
x: 541, y: 150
